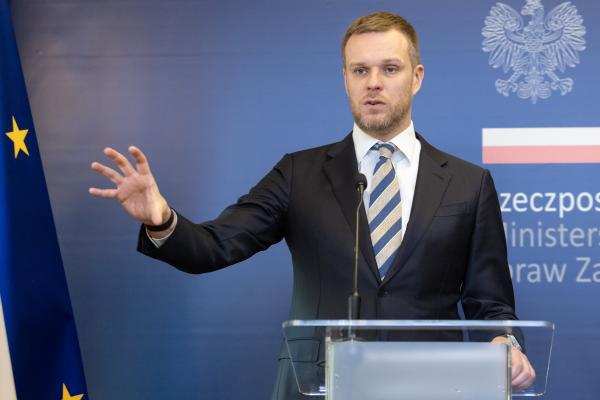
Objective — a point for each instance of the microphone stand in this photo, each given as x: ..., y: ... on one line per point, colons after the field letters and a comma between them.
x: 354, y: 298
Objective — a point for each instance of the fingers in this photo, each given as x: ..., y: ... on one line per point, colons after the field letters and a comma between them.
x: 523, y: 381
x: 523, y: 374
x: 140, y: 160
x: 120, y: 160
x: 517, y: 363
x: 110, y: 173
x: 103, y: 193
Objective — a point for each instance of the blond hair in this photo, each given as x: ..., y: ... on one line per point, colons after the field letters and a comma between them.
x: 383, y: 22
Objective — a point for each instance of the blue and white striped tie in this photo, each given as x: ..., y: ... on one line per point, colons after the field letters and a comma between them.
x: 385, y: 209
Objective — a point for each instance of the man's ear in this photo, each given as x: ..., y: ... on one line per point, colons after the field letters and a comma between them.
x: 345, y: 79
x: 418, y: 75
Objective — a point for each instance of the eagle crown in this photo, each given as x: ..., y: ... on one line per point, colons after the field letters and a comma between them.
x: 532, y: 7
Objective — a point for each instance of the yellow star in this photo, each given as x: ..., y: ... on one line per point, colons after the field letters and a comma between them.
x: 18, y: 137
x: 67, y: 395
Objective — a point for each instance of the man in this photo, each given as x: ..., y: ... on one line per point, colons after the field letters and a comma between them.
x: 431, y: 234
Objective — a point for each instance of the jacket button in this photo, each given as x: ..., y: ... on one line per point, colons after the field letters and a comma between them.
x: 382, y: 293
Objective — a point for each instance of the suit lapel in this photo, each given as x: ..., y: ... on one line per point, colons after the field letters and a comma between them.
x: 341, y: 170
x: 432, y: 181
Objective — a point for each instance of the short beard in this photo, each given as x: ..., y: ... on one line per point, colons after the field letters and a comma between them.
x: 384, y: 127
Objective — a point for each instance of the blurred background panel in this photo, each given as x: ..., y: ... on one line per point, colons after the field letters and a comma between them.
x: 215, y: 92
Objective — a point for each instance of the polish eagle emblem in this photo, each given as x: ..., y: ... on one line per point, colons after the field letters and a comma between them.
x: 534, y: 53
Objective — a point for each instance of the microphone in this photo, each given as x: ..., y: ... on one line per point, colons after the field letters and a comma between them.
x: 354, y: 298
x: 361, y: 183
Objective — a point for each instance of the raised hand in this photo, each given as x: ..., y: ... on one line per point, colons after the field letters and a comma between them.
x: 136, y: 188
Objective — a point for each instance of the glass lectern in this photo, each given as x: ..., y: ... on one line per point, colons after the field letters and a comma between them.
x: 414, y: 360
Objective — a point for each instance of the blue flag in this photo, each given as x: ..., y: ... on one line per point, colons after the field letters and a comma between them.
x: 36, y: 324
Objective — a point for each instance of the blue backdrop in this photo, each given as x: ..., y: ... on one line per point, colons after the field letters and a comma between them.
x: 185, y: 80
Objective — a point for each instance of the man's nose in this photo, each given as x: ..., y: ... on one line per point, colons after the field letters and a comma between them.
x: 374, y: 80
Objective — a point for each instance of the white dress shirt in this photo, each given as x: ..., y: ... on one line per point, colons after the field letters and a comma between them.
x: 405, y: 161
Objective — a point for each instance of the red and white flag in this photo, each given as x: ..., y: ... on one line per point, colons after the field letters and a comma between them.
x: 540, y: 145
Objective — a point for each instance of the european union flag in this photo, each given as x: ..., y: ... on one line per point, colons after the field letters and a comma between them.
x: 39, y: 350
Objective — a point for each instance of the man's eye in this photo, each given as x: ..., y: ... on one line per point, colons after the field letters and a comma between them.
x: 391, y: 69
x: 360, y: 71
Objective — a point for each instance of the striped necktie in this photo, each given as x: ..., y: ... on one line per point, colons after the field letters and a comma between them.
x: 385, y: 209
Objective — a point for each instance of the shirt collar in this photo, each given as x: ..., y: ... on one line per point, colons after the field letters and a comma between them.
x: 405, y: 141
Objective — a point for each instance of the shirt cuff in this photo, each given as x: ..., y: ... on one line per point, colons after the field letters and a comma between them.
x: 161, y: 241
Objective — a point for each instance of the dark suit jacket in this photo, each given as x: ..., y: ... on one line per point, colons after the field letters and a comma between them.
x: 453, y: 249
